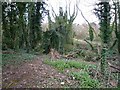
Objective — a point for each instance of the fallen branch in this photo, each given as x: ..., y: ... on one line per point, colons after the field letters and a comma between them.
x: 71, y: 55
x: 116, y: 68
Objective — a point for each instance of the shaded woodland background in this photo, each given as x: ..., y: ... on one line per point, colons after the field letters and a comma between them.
x: 23, y: 31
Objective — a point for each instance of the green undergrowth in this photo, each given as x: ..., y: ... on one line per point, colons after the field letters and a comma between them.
x: 83, y: 75
x: 63, y: 64
x: 16, y: 58
x: 85, y: 80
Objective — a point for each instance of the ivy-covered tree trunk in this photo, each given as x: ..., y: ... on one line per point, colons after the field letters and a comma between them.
x: 35, y: 16
x: 38, y: 21
x: 4, y: 26
x: 29, y: 27
x: 21, y: 33
x: 103, y: 13
x: 9, y: 32
x: 105, y: 35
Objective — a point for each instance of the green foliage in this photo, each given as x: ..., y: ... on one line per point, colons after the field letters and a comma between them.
x: 59, y: 64
x: 62, y: 64
x: 16, y: 59
x: 103, y: 13
x: 21, y: 24
x: 60, y: 31
x: 85, y: 80
x: 83, y: 76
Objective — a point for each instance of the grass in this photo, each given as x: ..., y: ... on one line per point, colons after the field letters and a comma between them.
x: 16, y: 59
x: 63, y: 64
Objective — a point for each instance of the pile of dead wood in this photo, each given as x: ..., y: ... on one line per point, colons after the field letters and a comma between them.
x: 56, y: 55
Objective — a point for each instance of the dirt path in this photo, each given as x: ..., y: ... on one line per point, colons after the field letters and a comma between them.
x: 34, y: 74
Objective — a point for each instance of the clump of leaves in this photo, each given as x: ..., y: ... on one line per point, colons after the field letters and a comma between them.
x: 85, y: 80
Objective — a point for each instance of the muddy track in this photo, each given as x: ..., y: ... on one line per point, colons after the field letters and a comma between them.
x: 34, y: 74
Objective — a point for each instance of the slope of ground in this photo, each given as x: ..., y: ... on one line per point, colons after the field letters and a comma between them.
x: 34, y: 74
x: 24, y: 71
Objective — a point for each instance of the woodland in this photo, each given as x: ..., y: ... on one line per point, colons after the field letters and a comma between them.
x: 57, y: 56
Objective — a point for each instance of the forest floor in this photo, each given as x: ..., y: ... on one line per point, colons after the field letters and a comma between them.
x: 19, y: 72
x: 34, y: 74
